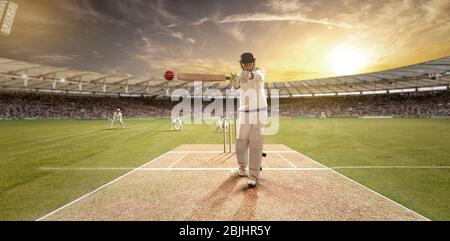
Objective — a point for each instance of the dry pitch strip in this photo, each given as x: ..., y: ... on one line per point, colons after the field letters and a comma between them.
x: 199, y: 182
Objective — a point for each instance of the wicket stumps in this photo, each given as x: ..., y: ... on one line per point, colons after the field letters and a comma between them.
x: 227, y: 135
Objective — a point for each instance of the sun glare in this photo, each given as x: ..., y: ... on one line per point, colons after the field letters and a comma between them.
x: 346, y: 60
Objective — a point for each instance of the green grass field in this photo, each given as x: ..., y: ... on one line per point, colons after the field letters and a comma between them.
x: 28, y: 192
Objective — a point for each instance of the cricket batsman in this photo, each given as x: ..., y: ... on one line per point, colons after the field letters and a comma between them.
x: 117, y: 116
x: 252, y: 117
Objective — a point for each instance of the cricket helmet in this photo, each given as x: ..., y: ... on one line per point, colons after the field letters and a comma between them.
x: 247, y: 58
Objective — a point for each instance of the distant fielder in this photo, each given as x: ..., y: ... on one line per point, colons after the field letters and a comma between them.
x: 222, y: 125
x: 177, y: 124
x: 252, y: 117
x: 323, y: 116
x: 219, y: 124
x: 117, y: 116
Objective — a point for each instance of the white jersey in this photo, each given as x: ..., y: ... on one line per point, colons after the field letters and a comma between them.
x: 252, y: 92
x: 117, y: 116
x: 177, y: 124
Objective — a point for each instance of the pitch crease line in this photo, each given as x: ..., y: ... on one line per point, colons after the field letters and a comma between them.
x: 98, y: 189
x: 365, y: 187
x: 219, y: 152
x: 231, y: 168
x: 179, y: 159
x: 290, y: 163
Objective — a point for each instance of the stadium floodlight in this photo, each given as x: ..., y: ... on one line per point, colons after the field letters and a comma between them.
x: 349, y: 93
x: 432, y: 88
x: 402, y: 91
x: 7, y: 12
x: 327, y: 94
x: 302, y: 95
x: 377, y: 92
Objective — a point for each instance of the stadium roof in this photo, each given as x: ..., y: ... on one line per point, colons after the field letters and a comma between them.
x: 19, y: 75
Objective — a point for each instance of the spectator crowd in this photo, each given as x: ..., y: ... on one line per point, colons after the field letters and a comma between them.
x: 32, y: 105
x: 19, y: 105
x: 424, y: 104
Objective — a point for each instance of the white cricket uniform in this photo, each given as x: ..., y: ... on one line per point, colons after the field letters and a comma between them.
x: 252, y: 117
x: 117, y: 116
x: 219, y: 125
x: 180, y: 125
x: 177, y: 124
x: 173, y: 125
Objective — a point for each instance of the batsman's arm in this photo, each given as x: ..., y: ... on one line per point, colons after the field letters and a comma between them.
x: 234, y: 80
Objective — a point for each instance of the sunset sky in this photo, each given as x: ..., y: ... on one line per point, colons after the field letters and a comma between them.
x: 292, y: 39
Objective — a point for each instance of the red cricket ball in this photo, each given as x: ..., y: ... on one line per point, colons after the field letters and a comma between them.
x: 169, y: 75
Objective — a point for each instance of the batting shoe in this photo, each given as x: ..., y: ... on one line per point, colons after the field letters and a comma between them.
x: 242, y: 172
x: 252, y: 182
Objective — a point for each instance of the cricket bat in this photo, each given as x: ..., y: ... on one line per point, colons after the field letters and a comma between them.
x: 202, y: 77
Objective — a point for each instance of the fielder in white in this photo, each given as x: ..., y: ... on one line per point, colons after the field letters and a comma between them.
x: 117, y: 116
x: 252, y: 117
x: 219, y: 124
x: 177, y: 124
x: 222, y: 125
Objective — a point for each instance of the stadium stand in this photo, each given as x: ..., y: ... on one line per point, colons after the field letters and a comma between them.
x: 36, y: 91
x: 20, y: 105
x: 426, y: 105
x: 24, y: 76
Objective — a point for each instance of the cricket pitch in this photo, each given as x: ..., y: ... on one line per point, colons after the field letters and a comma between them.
x: 199, y: 182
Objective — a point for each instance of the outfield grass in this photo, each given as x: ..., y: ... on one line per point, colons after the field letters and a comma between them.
x: 28, y: 192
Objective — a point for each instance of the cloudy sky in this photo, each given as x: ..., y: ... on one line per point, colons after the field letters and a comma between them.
x: 292, y: 39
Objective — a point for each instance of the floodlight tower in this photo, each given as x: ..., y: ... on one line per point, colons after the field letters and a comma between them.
x: 7, y: 12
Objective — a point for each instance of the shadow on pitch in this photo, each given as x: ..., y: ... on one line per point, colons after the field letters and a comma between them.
x: 247, y: 210
x: 215, y: 200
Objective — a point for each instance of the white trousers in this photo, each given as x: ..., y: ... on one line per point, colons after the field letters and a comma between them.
x: 120, y: 121
x: 250, y: 142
